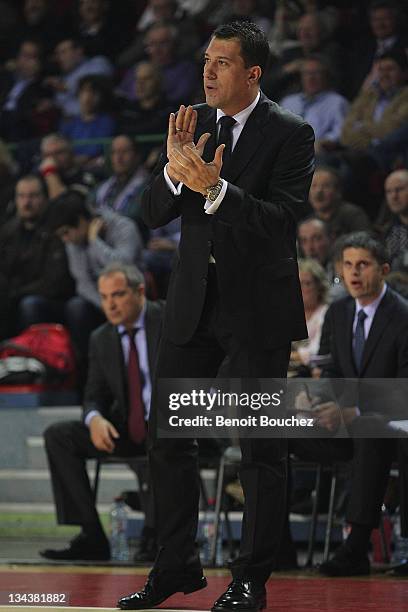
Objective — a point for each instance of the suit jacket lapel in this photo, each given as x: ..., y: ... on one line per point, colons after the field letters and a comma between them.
x: 250, y: 140
x: 381, y: 319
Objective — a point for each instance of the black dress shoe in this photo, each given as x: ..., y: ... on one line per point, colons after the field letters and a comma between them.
x: 242, y: 596
x: 160, y: 585
x: 82, y: 548
x: 400, y: 570
x: 345, y: 563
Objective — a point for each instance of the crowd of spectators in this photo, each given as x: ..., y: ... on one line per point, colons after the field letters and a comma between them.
x: 86, y: 88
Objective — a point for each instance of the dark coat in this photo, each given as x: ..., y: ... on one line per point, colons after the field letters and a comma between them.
x: 33, y: 263
x: 252, y: 234
x: 385, y: 353
x: 106, y: 387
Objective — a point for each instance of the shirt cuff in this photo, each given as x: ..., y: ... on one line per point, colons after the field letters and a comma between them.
x: 212, y: 207
x: 174, y: 190
x: 90, y: 416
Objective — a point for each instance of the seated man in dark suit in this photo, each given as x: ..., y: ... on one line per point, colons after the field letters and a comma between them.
x: 115, y: 411
x: 369, y: 340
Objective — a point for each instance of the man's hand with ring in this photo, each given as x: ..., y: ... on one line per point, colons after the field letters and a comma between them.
x: 180, y: 133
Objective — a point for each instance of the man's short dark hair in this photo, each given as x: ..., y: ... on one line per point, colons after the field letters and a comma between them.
x: 68, y: 209
x: 365, y: 240
x: 254, y: 44
x: 35, y: 177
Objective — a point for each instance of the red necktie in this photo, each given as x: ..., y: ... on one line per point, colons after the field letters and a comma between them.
x: 136, y: 421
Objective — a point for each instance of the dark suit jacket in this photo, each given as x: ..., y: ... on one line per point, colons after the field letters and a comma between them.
x: 106, y: 387
x: 252, y: 234
x: 385, y: 353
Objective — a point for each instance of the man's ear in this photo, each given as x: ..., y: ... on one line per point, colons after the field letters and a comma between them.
x: 254, y: 74
x: 386, y: 269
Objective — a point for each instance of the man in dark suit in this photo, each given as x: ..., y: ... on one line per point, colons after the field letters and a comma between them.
x: 234, y: 297
x: 122, y: 353
x: 369, y: 340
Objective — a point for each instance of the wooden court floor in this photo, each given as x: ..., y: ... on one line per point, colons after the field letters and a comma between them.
x: 89, y: 589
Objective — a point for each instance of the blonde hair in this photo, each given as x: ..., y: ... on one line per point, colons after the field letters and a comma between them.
x: 319, y: 276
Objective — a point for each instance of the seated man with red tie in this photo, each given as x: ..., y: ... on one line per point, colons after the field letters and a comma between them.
x: 116, y: 408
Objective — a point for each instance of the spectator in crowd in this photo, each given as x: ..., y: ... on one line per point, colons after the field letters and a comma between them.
x: 73, y: 65
x: 94, y: 120
x: 314, y: 286
x: 149, y: 112
x: 180, y: 76
x: 369, y: 339
x: 39, y: 22
x: 380, y: 109
x: 395, y: 230
x: 26, y: 105
x: 284, y: 76
x: 318, y: 103
x: 109, y: 405
x: 314, y: 243
x: 60, y: 169
x: 92, y: 240
x: 121, y: 192
x: 158, y: 12
x: 34, y: 275
x: 314, y: 240
x: 99, y: 30
x: 325, y: 197
x: 386, y: 35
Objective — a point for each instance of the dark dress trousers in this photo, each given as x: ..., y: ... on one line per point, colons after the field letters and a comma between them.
x: 385, y: 356
x: 68, y: 444
x: 244, y: 311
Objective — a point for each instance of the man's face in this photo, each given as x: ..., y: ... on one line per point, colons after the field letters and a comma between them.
x: 147, y: 83
x: 390, y: 74
x: 91, y: 11
x: 34, y: 11
x: 324, y: 193
x: 159, y: 45
x: 68, y: 55
x: 308, y: 33
x: 313, y: 78
x: 396, y: 192
x: 227, y: 83
x: 30, y: 200
x: 314, y: 241
x: 123, y: 156
x: 382, y: 23
x: 74, y: 235
x: 362, y: 274
x: 120, y: 303
x: 61, y: 153
x: 28, y: 60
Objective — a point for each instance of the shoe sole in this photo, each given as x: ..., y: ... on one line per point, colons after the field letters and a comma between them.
x: 262, y: 606
x: 195, y: 586
x: 186, y: 589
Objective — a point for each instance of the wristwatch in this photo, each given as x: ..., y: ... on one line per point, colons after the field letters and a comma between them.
x: 213, y: 192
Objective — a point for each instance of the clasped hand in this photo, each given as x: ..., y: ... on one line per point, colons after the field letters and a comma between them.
x: 186, y: 164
